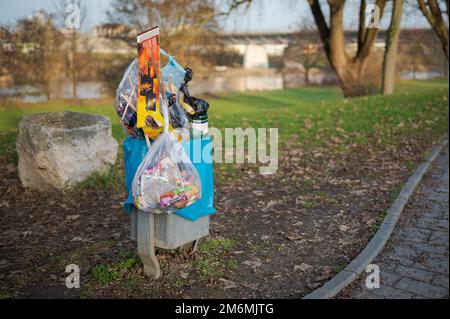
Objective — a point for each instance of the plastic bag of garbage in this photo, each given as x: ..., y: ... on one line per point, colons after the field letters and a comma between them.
x: 174, y: 76
x: 166, y: 180
x: 126, y: 100
x: 178, y: 116
x: 126, y: 96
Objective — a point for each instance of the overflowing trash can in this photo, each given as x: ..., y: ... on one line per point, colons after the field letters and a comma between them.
x: 168, y: 154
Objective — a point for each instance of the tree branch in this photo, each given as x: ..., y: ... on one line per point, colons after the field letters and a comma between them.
x: 433, y: 13
x: 235, y: 4
x: 423, y: 7
x: 362, y: 24
x: 337, y: 34
x: 322, y: 26
x: 435, y: 10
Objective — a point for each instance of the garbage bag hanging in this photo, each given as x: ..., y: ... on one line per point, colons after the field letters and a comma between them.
x: 166, y: 180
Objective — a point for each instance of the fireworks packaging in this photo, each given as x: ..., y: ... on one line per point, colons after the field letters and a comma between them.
x: 149, y: 116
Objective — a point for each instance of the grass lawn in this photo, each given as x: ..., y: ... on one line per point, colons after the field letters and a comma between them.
x: 310, y: 116
x: 307, y: 117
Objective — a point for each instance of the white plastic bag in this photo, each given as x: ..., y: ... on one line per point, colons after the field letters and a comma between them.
x: 166, y: 180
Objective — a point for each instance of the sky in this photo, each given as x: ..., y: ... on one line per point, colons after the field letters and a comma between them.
x: 12, y: 10
x: 263, y: 15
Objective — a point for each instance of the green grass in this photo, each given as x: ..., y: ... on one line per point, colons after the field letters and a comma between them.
x: 213, y: 259
x: 314, y: 115
x: 309, y: 116
x: 107, y: 273
x: 4, y: 295
x: 420, y: 86
x: 213, y: 245
x: 111, y: 180
x: 376, y: 226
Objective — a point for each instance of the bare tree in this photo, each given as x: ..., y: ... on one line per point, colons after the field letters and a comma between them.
x: 37, y: 55
x: 350, y: 69
x: 434, y: 11
x: 6, y: 51
x: 72, y: 16
x: 309, y: 50
x: 186, y: 25
x: 420, y: 51
x: 305, y: 52
x: 390, y: 53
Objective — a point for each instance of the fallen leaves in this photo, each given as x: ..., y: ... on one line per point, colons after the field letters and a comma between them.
x: 358, y: 192
x: 254, y: 264
x: 293, y: 237
x: 4, y: 203
x: 303, y: 267
x: 227, y: 284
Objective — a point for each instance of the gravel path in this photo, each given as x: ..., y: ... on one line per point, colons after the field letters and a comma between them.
x: 415, y: 262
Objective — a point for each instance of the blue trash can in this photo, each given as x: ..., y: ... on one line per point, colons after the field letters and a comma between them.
x: 200, y: 153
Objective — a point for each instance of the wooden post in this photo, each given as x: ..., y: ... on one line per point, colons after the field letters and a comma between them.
x: 146, y: 244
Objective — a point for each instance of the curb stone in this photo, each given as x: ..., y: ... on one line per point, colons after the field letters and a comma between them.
x: 349, y: 274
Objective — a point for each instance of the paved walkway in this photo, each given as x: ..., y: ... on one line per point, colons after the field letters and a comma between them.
x: 414, y: 263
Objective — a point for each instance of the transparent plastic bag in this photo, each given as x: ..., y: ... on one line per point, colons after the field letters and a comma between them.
x: 174, y: 77
x: 126, y: 97
x: 166, y: 180
x: 126, y: 100
x: 178, y: 115
x: 172, y: 71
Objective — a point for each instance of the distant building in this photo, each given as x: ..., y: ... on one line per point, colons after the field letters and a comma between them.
x: 106, y: 39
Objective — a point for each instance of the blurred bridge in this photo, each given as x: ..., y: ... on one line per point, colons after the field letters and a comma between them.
x: 257, y: 46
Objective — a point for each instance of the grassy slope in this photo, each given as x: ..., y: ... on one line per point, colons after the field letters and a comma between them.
x: 310, y: 115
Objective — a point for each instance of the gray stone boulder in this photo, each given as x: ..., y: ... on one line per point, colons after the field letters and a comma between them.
x: 58, y: 150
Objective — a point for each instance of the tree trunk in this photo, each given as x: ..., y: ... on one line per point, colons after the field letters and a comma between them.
x: 350, y: 78
x: 73, y: 63
x: 74, y: 87
x: 434, y: 14
x: 307, y: 75
x: 390, y: 53
x: 47, y: 88
x: 349, y: 70
x: 442, y: 33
